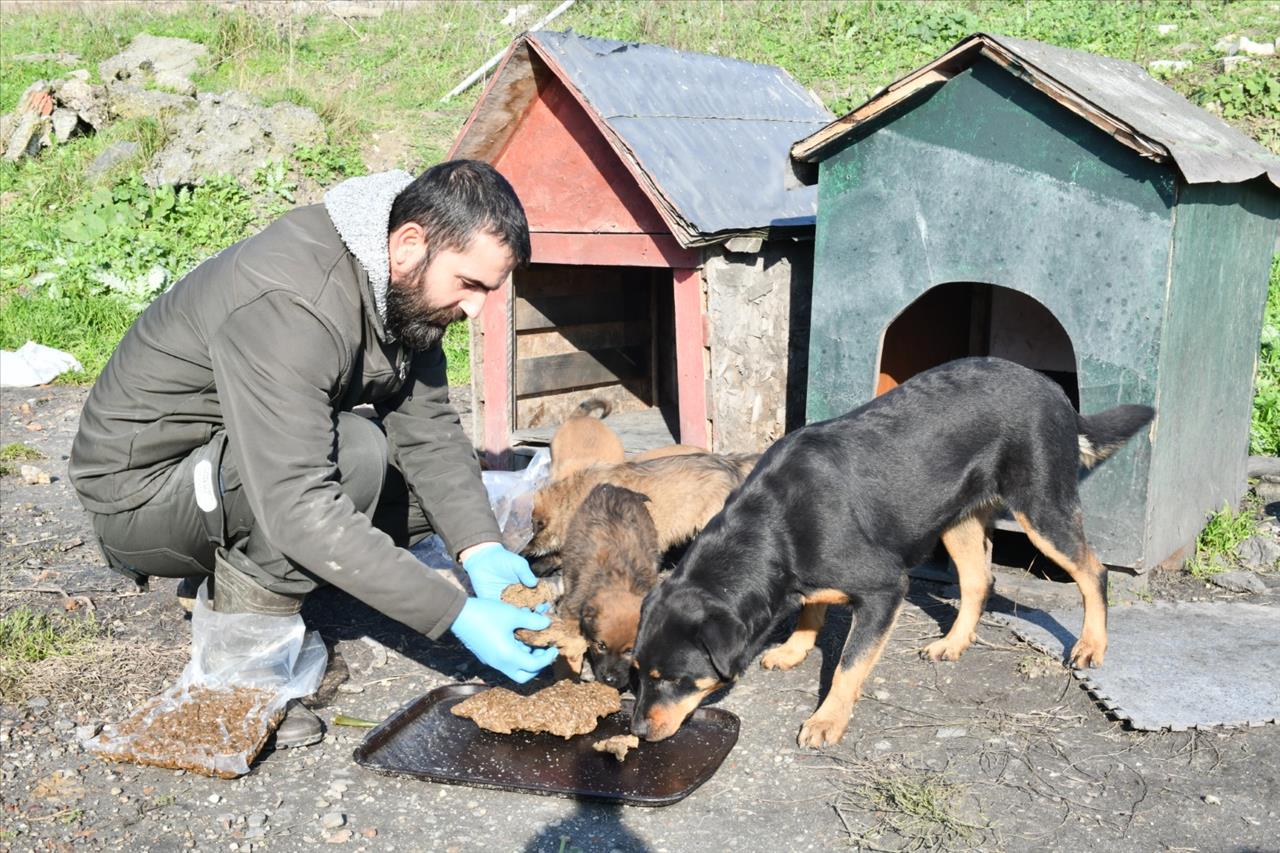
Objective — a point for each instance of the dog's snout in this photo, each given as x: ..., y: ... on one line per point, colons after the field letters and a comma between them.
x: 640, y: 726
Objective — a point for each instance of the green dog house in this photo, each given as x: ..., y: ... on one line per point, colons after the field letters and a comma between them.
x: 1068, y: 212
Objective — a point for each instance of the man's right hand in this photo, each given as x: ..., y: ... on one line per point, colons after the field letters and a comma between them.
x: 487, y: 627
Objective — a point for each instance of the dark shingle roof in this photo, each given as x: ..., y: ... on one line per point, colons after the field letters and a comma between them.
x: 1116, y: 95
x: 707, y: 136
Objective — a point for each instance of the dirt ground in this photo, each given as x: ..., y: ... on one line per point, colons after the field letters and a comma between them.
x: 1003, y: 750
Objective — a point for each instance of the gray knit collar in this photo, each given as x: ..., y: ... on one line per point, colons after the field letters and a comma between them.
x: 360, y: 209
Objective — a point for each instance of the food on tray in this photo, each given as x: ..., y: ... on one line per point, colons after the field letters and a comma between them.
x: 564, y: 634
x: 523, y: 596
x: 566, y: 708
x: 618, y: 745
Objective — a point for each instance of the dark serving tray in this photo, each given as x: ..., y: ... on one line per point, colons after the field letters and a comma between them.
x: 424, y: 739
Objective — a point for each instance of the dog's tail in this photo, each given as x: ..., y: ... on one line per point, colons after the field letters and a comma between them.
x: 590, y: 406
x: 1102, y: 434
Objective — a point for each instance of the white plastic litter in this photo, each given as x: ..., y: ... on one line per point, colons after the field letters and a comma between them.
x: 511, y: 497
x: 34, y: 364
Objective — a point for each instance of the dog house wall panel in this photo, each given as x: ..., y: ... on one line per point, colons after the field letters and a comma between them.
x: 1223, y: 243
x: 986, y: 180
x: 567, y: 177
x: 758, y: 305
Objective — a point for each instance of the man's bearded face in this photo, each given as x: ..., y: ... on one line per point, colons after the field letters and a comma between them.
x: 411, y: 316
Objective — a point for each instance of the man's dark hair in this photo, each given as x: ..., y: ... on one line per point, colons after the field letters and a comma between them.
x: 455, y: 200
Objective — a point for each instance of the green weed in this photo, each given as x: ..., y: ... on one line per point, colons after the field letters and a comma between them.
x: 31, y: 636
x: 1264, y: 431
x: 16, y: 451
x: 457, y: 347
x: 386, y: 76
x: 1225, y: 530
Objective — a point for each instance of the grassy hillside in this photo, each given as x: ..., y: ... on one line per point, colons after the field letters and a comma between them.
x: 377, y: 84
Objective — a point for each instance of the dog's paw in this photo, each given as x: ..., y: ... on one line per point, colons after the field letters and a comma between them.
x: 822, y: 730
x: 783, y: 657
x: 1088, y: 653
x: 948, y: 648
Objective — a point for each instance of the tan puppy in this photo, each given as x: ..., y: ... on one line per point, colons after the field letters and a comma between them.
x: 669, y: 450
x: 584, y: 440
x: 684, y: 492
x: 610, y: 562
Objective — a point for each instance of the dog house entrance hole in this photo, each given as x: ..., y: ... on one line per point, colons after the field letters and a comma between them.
x: 964, y: 319
x: 595, y: 331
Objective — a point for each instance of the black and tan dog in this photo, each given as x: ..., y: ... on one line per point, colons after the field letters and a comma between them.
x: 836, y: 512
x: 610, y: 562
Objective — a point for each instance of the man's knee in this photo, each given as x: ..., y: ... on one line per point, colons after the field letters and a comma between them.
x: 362, y: 461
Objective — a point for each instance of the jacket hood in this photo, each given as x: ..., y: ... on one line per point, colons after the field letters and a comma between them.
x: 360, y: 208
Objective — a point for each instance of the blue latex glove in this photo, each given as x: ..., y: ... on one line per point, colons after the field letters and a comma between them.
x: 492, y: 568
x: 485, y: 628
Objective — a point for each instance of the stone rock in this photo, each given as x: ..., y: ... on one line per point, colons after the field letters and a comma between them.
x: 256, y: 820
x: 1253, y: 48
x: 83, y: 733
x: 1260, y: 553
x: 25, y: 138
x: 88, y: 101
x: 951, y: 732
x: 128, y: 101
x: 1231, y: 63
x: 33, y: 476
x: 168, y: 62
x: 1227, y: 44
x: 1184, y: 47
x: 113, y: 155
x: 1168, y: 66
x: 1263, y: 466
x: 1166, y: 29
x: 64, y: 123
x: 230, y: 135
x: 1239, y: 582
x: 333, y: 820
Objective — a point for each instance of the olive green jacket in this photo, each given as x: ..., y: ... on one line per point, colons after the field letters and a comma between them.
x: 269, y: 340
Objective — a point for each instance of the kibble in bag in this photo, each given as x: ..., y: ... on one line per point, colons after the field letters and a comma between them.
x: 215, y: 720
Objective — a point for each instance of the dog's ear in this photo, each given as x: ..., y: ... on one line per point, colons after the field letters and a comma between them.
x: 724, y: 636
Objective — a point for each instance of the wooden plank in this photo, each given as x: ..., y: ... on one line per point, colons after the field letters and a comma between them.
x: 640, y: 430
x: 497, y: 341
x: 590, y: 336
x: 634, y: 250
x: 579, y: 369
x: 552, y: 311
x: 691, y: 381
x: 550, y: 410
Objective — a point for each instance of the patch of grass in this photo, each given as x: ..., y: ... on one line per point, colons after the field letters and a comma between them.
x: 16, y: 450
x: 909, y: 809
x: 1264, y: 430
x: 457, y: 347
x: 32, y: 636
x: 1225, y: 530
x: 386, y: 75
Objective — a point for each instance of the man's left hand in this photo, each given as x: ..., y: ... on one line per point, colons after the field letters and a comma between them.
x: 492, y: 568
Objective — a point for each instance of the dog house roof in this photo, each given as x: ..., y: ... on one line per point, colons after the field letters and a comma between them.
x: 706, y: 137
x: 1117, y: 96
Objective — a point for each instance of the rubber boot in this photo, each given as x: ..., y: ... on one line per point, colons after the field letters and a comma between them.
x: 234, y: 591
x: 189, y: 588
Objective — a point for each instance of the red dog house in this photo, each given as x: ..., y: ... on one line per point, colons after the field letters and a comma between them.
x: 672, y: 249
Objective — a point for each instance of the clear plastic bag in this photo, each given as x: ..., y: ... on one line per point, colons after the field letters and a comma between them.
x: 511, y: 497
x: 244, y: 669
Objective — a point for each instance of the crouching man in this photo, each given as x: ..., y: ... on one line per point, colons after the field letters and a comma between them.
x: 220, y: 440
